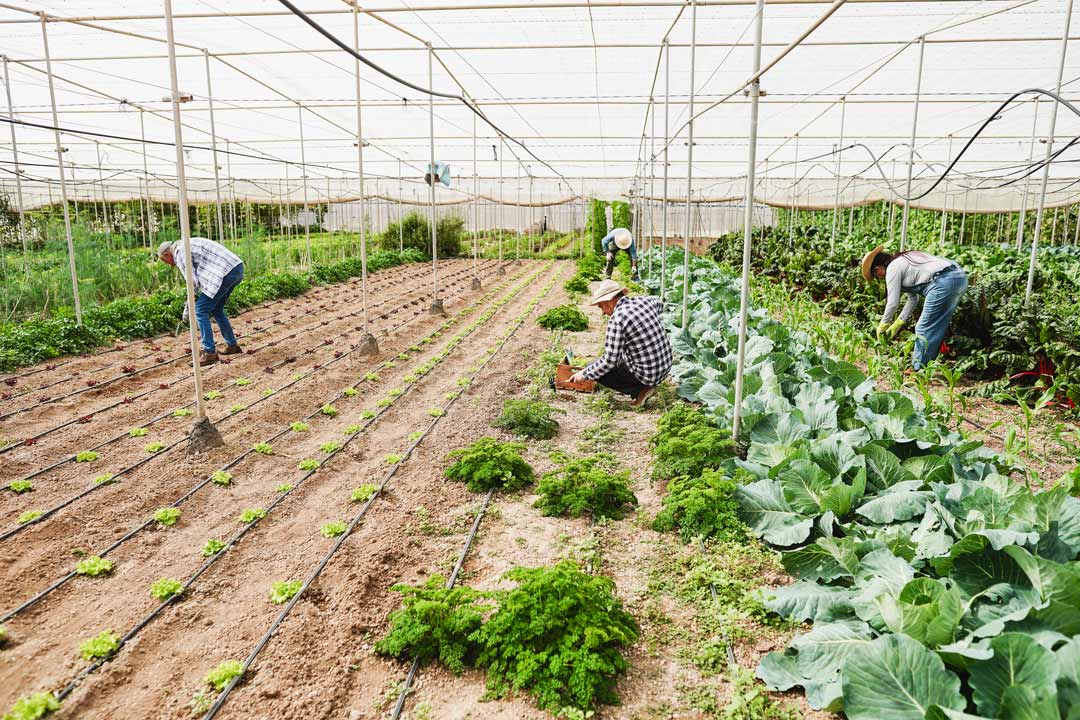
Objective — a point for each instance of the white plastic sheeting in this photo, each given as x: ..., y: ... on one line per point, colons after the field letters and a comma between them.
x: 570, y: 81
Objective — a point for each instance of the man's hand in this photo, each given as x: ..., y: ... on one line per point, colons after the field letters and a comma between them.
x: 184, y: 315
x: 577, y: 377
x: 610, y: 255
x: 894, y: 329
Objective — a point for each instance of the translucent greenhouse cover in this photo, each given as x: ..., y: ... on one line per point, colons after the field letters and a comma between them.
x: 570, y: 80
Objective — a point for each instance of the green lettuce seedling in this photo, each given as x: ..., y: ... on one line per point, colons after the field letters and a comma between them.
x: 349, y: 392
x: 282, y: 592
x: 283, y: 488
x: 333, y: 529
x: 221, y: 675
x: 332, y: 446
x: 94, y: 566
x: 220, y: 477
x: 33, y: 707
x: 20, y: 486
x: 28, y: 516
x: 104, y: 479
x: 263, y: 448
x: 363, y: 493
x: 212, y: 547
x: 154, y: 447
x: 181, y: 412
x: 299, y: 426
x: 167, y: 515
x: 353, y: 429
x: 212, y: 395
x: 138, y: 432
x: 165, y: 588
x: 242, y: 381
x: 250, y: 515
x: 100, y: 647
x: 87, y: 456
x: 309, y: 464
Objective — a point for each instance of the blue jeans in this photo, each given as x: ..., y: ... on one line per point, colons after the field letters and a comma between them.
x: 207, y: 307
x: 942, y: 295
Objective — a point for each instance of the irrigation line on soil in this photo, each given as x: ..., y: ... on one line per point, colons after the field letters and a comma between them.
x: 232, y: 413
x: 178, y: 358
x: 305, y: 308
x: 454, y: 343
x: 223, y: 697
x: 164, y: 386
x: 415, y: 665
x: 232, y: 463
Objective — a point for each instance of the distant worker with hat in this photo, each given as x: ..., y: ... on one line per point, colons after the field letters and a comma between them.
x: 940, y: 281
x: 637, y: 353
x: 218, y: 271
x: 616, y: 240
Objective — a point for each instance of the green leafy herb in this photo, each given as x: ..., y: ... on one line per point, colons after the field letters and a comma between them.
x: 165, y: 588
x: 529, y: 418
x: 212, y: 547
x: 363, y: 493
x: 283, y: 591
x: 94, y: 566
x: 488, y: 463
x: 100, y: 647
x: 703, y: 506
x: 584, y: 485
x: 564, y: 317
x: 333, y: 529
x: 167, y: 516
x: 250, y: 515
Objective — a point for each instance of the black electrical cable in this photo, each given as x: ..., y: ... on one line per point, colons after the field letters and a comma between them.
x: 427, y: 91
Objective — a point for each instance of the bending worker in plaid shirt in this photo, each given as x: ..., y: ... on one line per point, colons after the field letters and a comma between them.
x: 637, y: 354
x: 217, y: 272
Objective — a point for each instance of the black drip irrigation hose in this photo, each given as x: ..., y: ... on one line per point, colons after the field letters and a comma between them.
x: 187, y: 356
x: 74, y: 683
x: 232, y: 463
x: 256, y: 331
x: 78, y: 496
x: 224, y: 696
x: 131, y: 398
x: 231, y: 414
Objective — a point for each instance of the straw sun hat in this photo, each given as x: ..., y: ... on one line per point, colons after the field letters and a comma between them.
x: 606, y: 290
x: 868, y: 261
x: 623, y: 239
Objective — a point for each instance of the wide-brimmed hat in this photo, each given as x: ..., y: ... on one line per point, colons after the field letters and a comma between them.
x: 164, y: 248
x: 606, y: 290
x: 868, y: 261
x: 622, y: 237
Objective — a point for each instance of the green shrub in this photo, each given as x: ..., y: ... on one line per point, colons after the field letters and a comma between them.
x: 576, y: 286
x: 703, y: 506
x: 488, y: 463
x: 583, y: 485
x: 435, y: 623
x: 529, y: 418
x: 687, y: 442
x: 414, y: 233
x: 564, y: 317
x: 566, y: 653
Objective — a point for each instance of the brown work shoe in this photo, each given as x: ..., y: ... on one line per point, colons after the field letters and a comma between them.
x: 643, y: 397
x: 231, y: 350
x: 206, y: 358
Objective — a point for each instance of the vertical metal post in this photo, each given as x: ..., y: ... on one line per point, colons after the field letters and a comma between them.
x: 690, y: 168
x: 401, y: 210
x: 303, y: 175
x: 213, y: 148
x: 185, y: 229
x: 367, y: 340
x: 911, y: 150
x: 945, y: 198
x: 794, y: 195
x: 499, y: 214
x: 476, y: 211
x: 436, y: 304
x: 1027, y: 181
x: 892, y: 202
x: 63, y: 174
x: 101, y: 183
x: 748, y: 224
x: 1049, y: 153
x: 836, y: 199
x: 145, y: 180
x: 667, y: 142
x: 532, y: 214
x: 18, y: 171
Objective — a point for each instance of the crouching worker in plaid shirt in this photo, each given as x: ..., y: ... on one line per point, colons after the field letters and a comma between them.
x: 217, y: 272
x: 637, y: 354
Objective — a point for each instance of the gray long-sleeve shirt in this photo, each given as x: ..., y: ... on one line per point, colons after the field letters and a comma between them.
x: 904, y: 275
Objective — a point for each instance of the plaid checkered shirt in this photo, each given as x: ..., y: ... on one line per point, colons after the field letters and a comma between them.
x: 635, y: 340
x: 212, y: 262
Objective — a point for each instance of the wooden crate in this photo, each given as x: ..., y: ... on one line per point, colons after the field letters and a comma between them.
x: 562, y: 380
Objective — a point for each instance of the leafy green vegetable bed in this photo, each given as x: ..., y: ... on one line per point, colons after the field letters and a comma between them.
x: 937, y: 586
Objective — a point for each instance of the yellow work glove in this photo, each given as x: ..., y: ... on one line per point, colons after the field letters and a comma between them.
x: 881, y: 328
x: 894, y: 329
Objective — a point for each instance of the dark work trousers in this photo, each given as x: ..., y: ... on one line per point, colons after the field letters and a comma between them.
x: 622, y: 381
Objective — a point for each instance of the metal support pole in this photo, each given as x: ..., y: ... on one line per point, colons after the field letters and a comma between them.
x: 499, y: 214
x: 690, y: 168
x: 303, y: 175
x: 101, y: 182
x: 401, y: 210
x: 667, y: 142
x: 475, y: 212
x: 436, y: 303
x: 892, y: 203
x: 145, y: 181
x: 213, y: 148
x: 1027, y: 181
x: 945, y: 199
x: 368, y: 345
x: 748, y: 224
x: 18, y: 171
x: 794, y: 196
x: 63, y: 174
x: 1049, y: 153
x: 203, y: 434
x: 836, y: 199
x: 652, y: 181
x: 911, y: 150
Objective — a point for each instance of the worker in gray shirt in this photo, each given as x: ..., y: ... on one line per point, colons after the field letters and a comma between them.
x: 940, y: 281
